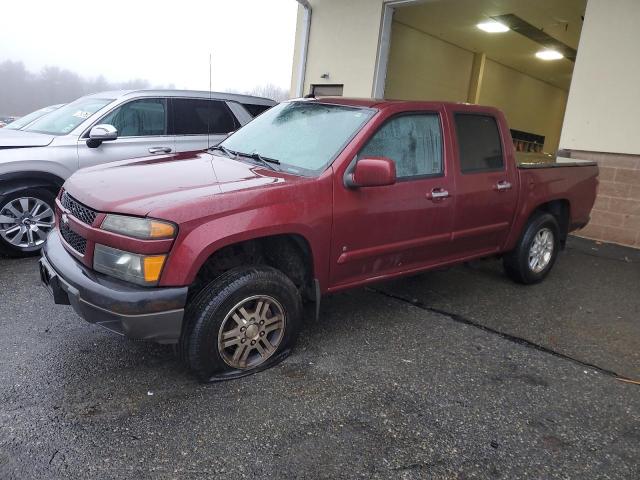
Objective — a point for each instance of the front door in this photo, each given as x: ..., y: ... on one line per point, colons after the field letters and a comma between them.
x: 382, y: 230
x: 142, y: 131
x: 486, y: 194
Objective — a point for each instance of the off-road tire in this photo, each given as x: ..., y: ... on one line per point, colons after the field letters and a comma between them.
x: 206, y: 312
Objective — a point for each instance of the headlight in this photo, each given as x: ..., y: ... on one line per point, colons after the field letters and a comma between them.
x: 139, y: 269
x: 144, y: 228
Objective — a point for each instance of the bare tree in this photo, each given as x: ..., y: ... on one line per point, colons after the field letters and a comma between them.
x: 270, y: 91
x: 22, y: 91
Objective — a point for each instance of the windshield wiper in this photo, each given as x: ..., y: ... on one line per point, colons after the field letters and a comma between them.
x: 225, y: 150
x: 266, y: 161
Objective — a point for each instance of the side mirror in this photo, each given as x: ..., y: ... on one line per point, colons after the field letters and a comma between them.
x: 372, y: 172
x: 101, y: 133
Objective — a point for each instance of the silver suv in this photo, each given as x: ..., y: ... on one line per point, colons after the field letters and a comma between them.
x: 101, y: 128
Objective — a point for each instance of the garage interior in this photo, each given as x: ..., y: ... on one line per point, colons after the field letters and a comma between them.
x: 488, y: 52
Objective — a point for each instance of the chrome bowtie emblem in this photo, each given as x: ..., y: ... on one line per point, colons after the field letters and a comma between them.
x: 65, y: 218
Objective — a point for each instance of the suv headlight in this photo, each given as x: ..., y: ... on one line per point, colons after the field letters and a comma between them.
x: 142, y: 270
x: 143, y: 228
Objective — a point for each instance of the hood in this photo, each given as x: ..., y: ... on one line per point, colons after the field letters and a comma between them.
x: 21, y: 139
x: 137, y: 187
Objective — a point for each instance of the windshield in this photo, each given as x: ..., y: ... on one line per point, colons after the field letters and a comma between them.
x: 304, y: 137
x: 30, y: 117
x: 65, y: 119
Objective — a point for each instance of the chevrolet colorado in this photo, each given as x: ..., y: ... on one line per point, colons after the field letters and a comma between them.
x: 215, y: 251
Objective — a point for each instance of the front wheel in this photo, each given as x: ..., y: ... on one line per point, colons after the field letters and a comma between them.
x: 243, y: 322
x: 536, y: 252
x: 26, y: 218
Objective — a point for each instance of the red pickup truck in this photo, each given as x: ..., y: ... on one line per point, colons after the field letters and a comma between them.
x: 216, y: 250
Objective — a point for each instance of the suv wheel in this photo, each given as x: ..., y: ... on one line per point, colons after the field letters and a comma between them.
x: 243, y: 322
x: 26, y: 218
x: 536, y: 252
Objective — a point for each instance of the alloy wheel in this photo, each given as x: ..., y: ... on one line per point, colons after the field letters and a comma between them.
x: 251, y: 332
x: 25, y: 222
x: 541, y: 250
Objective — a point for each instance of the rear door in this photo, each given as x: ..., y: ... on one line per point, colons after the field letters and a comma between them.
x: 486, y: 193
x: 142, y: 131
x: 199, y: 123
x: 384, y: 230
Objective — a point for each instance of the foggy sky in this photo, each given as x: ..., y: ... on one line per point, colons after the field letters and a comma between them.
x: 165, y: 42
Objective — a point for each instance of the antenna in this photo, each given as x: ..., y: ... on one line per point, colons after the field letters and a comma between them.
x: 209, y: 116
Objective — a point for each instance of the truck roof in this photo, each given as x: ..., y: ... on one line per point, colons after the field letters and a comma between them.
x: 380, y: 103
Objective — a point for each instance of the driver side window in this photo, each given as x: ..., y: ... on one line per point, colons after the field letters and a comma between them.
x: 413, y: 142
x: 139, y: 118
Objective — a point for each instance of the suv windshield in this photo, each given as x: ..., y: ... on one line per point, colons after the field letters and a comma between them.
x: 304, y: 137
x: 27, y: 119
x: 65, y: 119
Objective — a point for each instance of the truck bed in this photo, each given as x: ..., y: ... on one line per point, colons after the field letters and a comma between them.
x: 544, y: 179
x: 539, y: 160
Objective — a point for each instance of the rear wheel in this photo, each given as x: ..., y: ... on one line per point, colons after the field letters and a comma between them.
x: 243, y: 322
x: 536, y: 252
x: 26, y: 218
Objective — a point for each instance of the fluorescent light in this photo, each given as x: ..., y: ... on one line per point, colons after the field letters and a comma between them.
x: 493, y: 27
x: 549, y: 55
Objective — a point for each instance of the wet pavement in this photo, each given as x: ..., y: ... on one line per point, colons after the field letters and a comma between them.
x: 454, y: 374
x: 588, y: 308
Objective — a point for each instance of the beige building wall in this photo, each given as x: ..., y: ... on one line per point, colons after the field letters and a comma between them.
x: 343, y: 42
x: 414, y: 56
x: 604, y: 101
x: 528, y: 103
x: 297, y: 54
x: 602, y: 122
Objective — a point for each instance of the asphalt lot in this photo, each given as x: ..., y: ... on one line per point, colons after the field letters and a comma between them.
x: 454, y: 374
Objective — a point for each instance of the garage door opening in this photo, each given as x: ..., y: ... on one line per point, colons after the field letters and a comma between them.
x: 516, y: 55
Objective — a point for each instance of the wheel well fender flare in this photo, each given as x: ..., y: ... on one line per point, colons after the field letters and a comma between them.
x: 16, y: 181
x: 199, y: 247
x: 560, y: 208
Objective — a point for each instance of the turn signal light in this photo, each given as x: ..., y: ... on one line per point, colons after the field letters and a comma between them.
x: 153, y: 267
x: 161, y: 230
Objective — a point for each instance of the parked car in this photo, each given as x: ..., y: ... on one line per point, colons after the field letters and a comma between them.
x: 22, y: 122
x: 101, y: 128
x: 4, y: 121
x: 215, y: 250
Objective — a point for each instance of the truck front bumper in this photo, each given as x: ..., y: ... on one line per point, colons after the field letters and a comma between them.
x: 137, y: 312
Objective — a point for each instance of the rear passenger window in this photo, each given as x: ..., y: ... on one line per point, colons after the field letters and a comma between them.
x: 479, y: 143
x: 201, y: 116
x: 413, y: 142
x: 255, y: 109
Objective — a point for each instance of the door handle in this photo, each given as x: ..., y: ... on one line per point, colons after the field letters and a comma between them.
x: 437, y: 194
x: 159, y: 150
x: 502, y: 185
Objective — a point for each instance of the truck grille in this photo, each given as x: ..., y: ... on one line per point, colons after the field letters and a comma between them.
x: 78, y: 210
x: 77, y: 242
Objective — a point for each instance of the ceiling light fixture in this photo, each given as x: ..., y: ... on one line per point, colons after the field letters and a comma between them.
x: 549, y: 55
x: 493, y: 27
